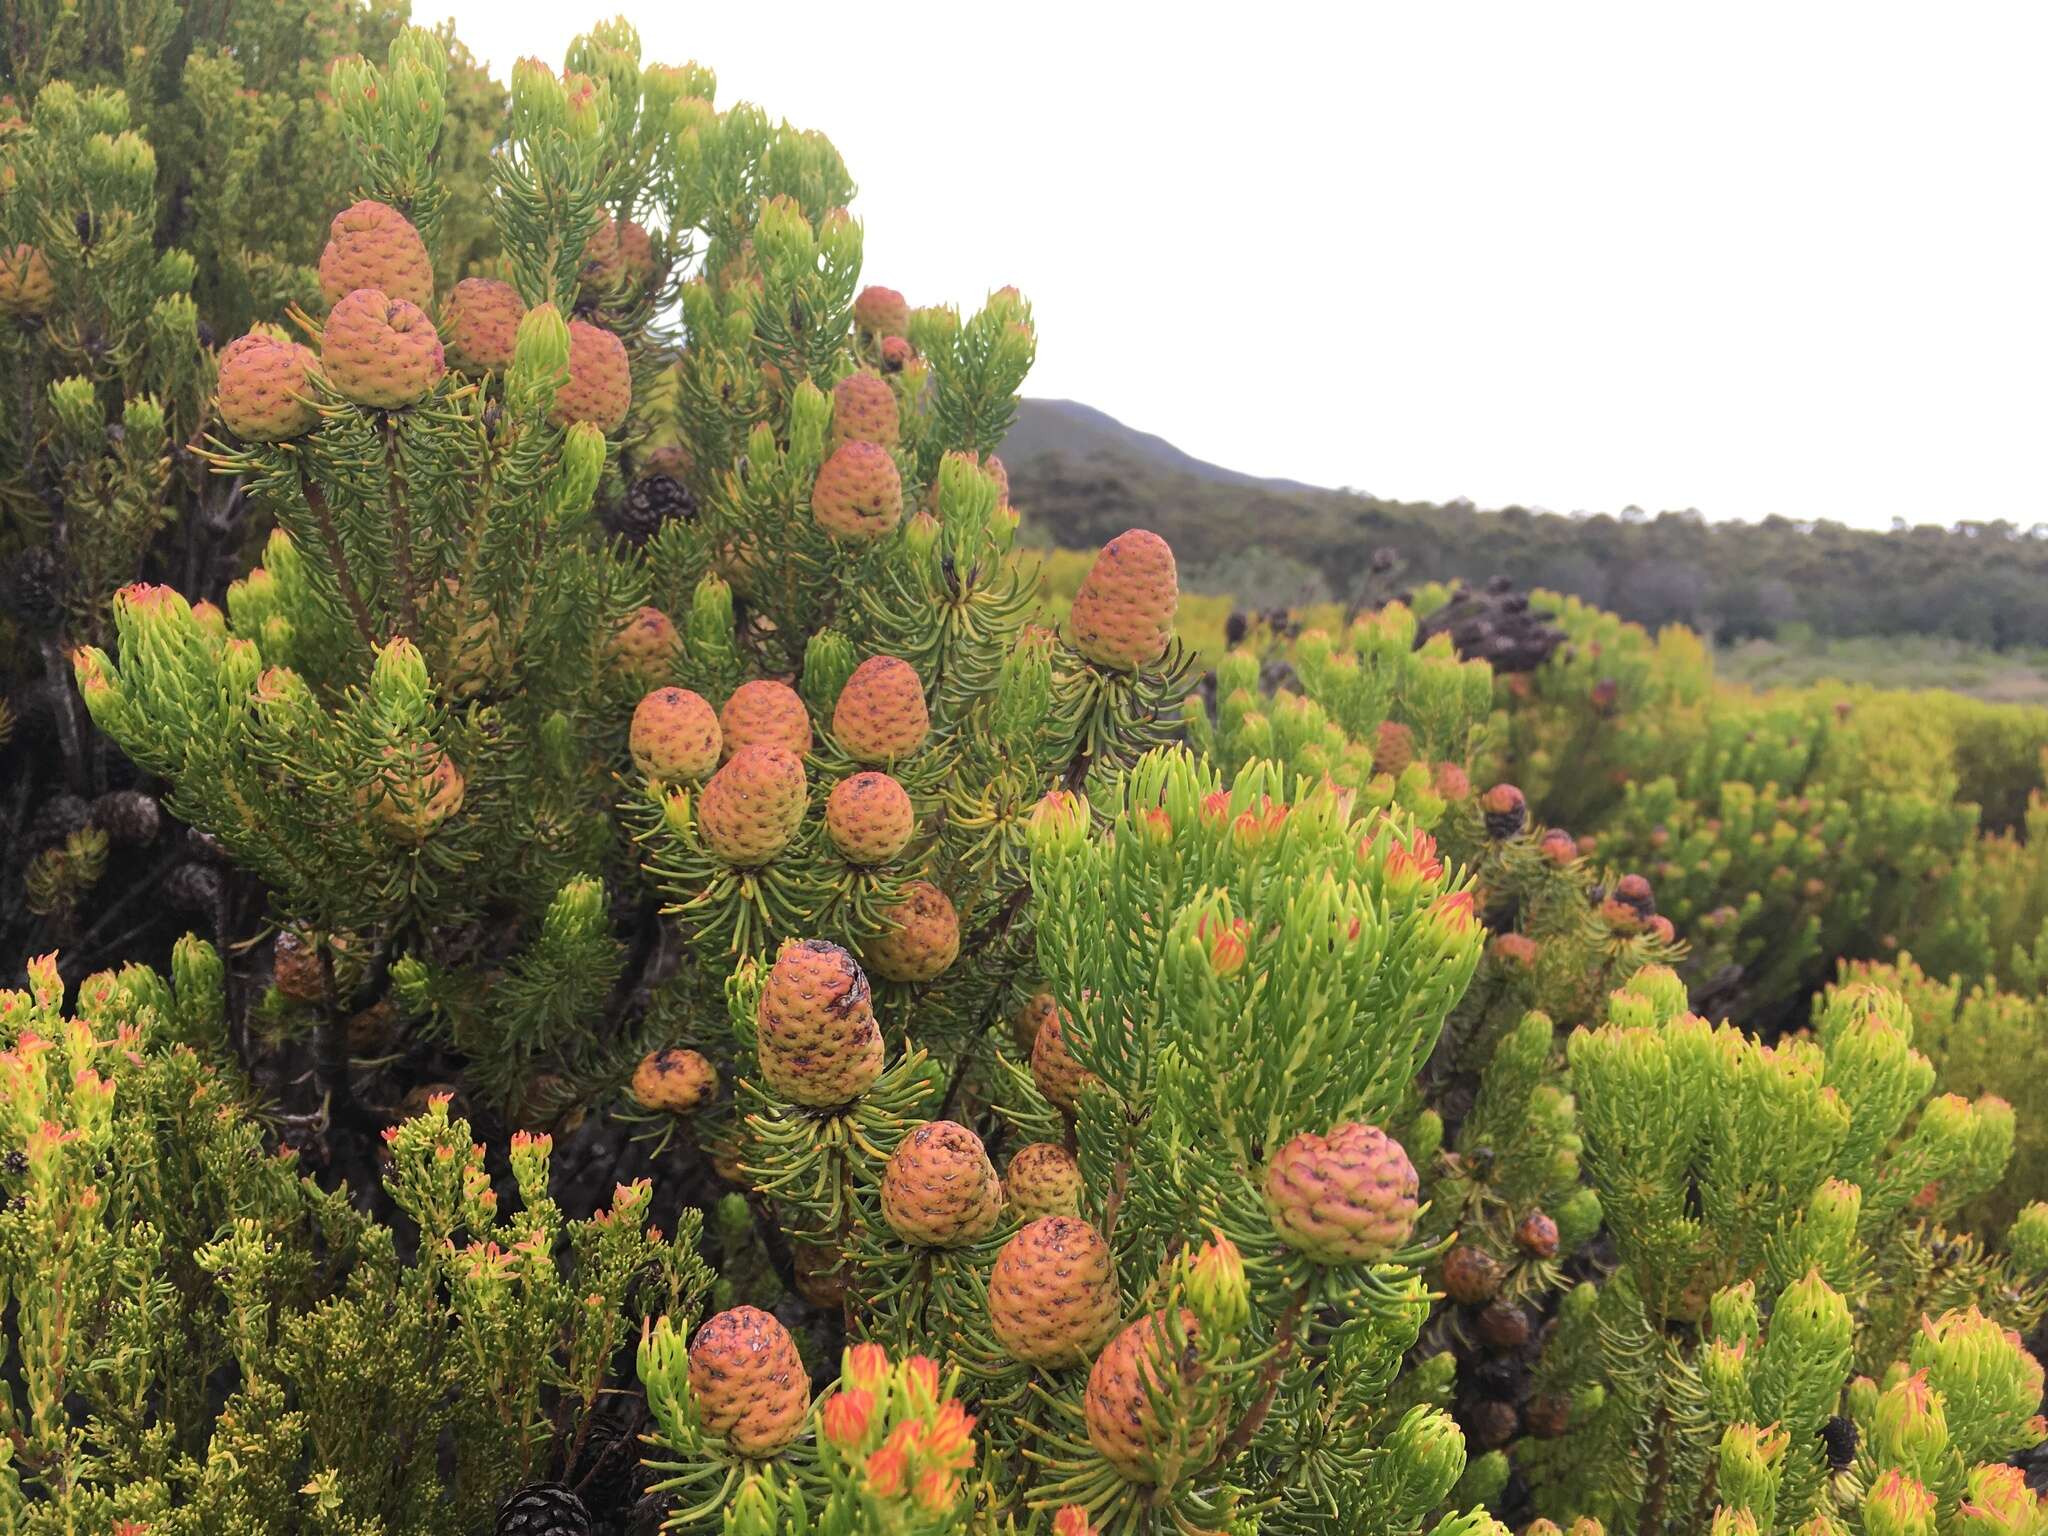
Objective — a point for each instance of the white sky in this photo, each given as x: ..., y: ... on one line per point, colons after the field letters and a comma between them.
x: 1741, y: 257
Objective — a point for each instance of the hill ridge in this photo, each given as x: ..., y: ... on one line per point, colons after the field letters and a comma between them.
x: 1082, y: 477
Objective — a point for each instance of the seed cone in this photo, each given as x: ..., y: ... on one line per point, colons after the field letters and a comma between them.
x: 1348, y: 1197
x: 542, y: 1509
x: 1503, y: 1324
x: 1122, y: 1424
x: 815, y: 1030
x: 380, y: 351
x: 881, y: 312
x: 820, y: 1274
x: 373, y: 245
x: 753, y: 806
x: 675, y: 736
x: 880, y: 714
x: 1052, y: 1296
x: 749, y: 1382
x: 1471, y: 1275
x: 675, y: 1080
x: 409, y: 807
x: 26, y: 286
x: 1506, y: 811
x: 476, y: 661
x: 479, y: 323
x: 646, y: 646
x: 858, y: 493
x: 1031, y: 1018
x: 295, y: 966
x: 264, y: 388
x: 1536, y: 1234
x: 990, y: 466
x: 1053, y: 1067
x: 599, y: 388
x: 618, y: 252
x: 939, y: 1188
x: 897, y: 354
x: 765, y: 713
x: 1393, y: 748
x: 923, y: 939
x: 1516, y: 951
x: 1044, y: 1180
x: 869, y: 818
x: 1122, y: 617
x: 1634, y: 891
x: 864, y: 411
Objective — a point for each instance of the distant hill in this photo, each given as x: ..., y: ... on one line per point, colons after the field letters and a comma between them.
x: 1082, y: 477
x: 1077, y: 433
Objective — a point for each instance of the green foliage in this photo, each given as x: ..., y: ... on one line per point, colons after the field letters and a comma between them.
x: 1760, y: 1199
x: 166, y: 178
x: 1982, y: 1041
x: 113, y: 372
x: 640, y: 728
x: 1786, y: 830
x: 1193, y: 933
x: 208, y: 1342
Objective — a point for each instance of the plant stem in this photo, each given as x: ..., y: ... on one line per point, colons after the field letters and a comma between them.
x: 401, y: 531
x: 1657, y: 1478
x: 316, y: 500
x: 1269, y: 1386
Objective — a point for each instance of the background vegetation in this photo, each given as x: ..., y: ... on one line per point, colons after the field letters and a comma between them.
x: 1978, y: 582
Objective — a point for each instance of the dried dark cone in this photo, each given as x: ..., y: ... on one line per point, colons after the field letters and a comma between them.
x: 543, y: 1509
x: 1492, y: 1424
x: 1496, y: 626
x: 56, y: 819
x: 1505, y: 1378
x: 608, y: 1467
x: 204, y: 847
x: 193, y: 887
x: 1506, y: 812
x: 128, y: 816
x: 1839, y: 1437
x: 649, y: 502
x: 1471, y: 1275
x: 295, y: 966
x: 1504, y: 1325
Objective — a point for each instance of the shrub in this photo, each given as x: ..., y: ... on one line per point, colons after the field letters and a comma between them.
x: 632, y: 781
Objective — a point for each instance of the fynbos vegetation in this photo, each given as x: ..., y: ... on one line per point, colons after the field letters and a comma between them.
x: 589, y: 955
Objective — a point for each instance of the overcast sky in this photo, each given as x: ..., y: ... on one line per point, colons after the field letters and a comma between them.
x: 1746, y: 258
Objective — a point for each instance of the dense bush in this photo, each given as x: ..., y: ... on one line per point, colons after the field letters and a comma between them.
x: 711, y: 1017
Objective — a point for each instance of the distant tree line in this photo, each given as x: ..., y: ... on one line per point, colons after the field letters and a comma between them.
x: 1983, y: 583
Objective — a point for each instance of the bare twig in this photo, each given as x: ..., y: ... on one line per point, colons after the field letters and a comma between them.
x: 63, y: 700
